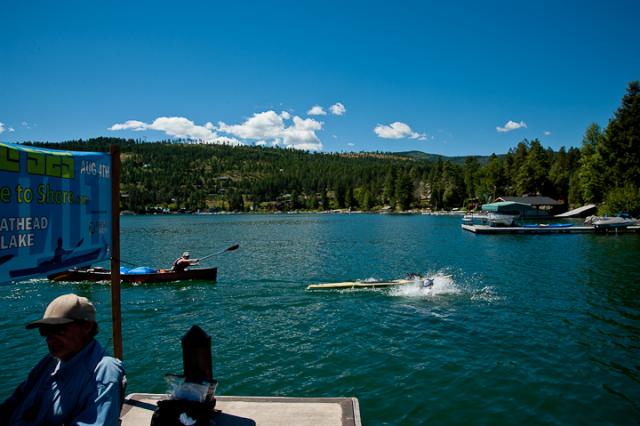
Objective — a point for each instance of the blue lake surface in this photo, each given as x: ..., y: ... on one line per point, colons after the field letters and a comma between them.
x: 539, y: 329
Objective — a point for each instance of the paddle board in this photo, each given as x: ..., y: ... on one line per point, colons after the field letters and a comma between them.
x: 368, y: 284
x: 359, y: 284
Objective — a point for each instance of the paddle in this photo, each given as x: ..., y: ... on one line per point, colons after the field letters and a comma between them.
x: 231, y: 248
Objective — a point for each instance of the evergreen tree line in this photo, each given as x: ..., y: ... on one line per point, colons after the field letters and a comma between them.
x: 179, y: 175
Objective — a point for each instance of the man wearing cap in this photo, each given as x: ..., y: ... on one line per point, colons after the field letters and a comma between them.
x: 76, y: 383
x: 183, y: 262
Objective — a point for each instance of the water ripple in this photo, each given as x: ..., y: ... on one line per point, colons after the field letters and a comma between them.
x: 527, y: 330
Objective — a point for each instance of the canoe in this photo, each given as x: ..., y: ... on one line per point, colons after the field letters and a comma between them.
x: 99, y: 274
x: 359, y: 284
x: 547, y: 225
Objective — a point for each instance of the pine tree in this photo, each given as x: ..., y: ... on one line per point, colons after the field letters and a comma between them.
x: 620, y: 149
x: 592, y: 168
x: 404, y: 192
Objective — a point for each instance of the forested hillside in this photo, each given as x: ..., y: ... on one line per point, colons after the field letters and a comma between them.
x: 181, y: 175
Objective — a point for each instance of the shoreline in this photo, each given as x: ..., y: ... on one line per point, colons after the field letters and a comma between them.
x: 278, y: 212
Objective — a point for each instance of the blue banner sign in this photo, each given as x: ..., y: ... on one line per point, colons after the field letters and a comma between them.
x: 55, y: 210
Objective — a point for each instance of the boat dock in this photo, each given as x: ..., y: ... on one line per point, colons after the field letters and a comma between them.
x: 139, y: 408
x: 486, y: 229
x: 251, y: 410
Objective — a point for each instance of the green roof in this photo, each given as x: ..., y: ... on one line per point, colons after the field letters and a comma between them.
x: 507, y: 207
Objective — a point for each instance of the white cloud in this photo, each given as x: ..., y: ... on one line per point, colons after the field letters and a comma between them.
x: 6, y: 129
x: 547, y: 133
x: 129, y: 125
x: 179, y: 127
x: 397, y: 130
x: 270, y: 126
x: 337, y: 109
x: 316, y: 110
x: 307, y: 123
x: 263, y: 125
x: 302, y: 135
x: 182, y: 128
x: 351, y: 144
x: 263, y: 128
x: 511, y: 125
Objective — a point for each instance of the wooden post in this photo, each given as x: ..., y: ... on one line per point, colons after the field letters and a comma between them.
x: 196, y: 355
x: 115, y: 252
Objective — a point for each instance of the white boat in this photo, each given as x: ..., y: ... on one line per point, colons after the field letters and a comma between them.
x: 613, y: 222
x: 501, y: 219
x: 475, y: 217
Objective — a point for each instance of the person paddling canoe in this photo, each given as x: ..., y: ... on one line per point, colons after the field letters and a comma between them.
x: 183, y: 262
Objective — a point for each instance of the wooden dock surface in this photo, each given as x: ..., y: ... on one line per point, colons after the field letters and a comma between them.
x: 486, y: 229
x: 256, y: 411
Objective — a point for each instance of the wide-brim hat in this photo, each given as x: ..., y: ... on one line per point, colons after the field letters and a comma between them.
x: 65, y: 309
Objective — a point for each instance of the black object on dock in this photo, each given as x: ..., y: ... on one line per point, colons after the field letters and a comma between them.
x: 196, y: 355
x: 198, y: 370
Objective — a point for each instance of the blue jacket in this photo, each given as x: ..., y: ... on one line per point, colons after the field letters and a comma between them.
x: 86, y: 390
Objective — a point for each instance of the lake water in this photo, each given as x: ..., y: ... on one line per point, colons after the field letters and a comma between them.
x: 540, y: 329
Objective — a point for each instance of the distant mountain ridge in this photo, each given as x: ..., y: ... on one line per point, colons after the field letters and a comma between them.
x: 419, y: 155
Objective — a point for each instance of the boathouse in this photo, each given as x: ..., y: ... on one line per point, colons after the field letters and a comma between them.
x: 542, y: 206
x: 511, y: 208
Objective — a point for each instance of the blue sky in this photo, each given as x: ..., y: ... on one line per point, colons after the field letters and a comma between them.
x: 450, y: 78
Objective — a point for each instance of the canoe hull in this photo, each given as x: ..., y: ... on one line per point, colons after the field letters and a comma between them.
x: 204, y: 274
x: 548, y: 225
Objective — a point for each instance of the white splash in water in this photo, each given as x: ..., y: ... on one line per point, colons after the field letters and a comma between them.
x: 442, y: 284
x: 32, y: 281
x: 486, y: 294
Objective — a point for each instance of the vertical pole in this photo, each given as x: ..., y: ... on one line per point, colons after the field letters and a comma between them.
x: 115, y: 252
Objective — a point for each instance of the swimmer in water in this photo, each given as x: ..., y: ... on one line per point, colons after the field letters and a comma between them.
x: 427, y: 283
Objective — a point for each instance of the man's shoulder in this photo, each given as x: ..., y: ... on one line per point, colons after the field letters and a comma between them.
x: 109, y: 370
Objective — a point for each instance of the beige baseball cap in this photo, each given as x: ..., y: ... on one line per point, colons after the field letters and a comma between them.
x: 65, y: 309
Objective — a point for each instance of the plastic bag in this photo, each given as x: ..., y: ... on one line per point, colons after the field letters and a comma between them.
x: 190, y: 391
